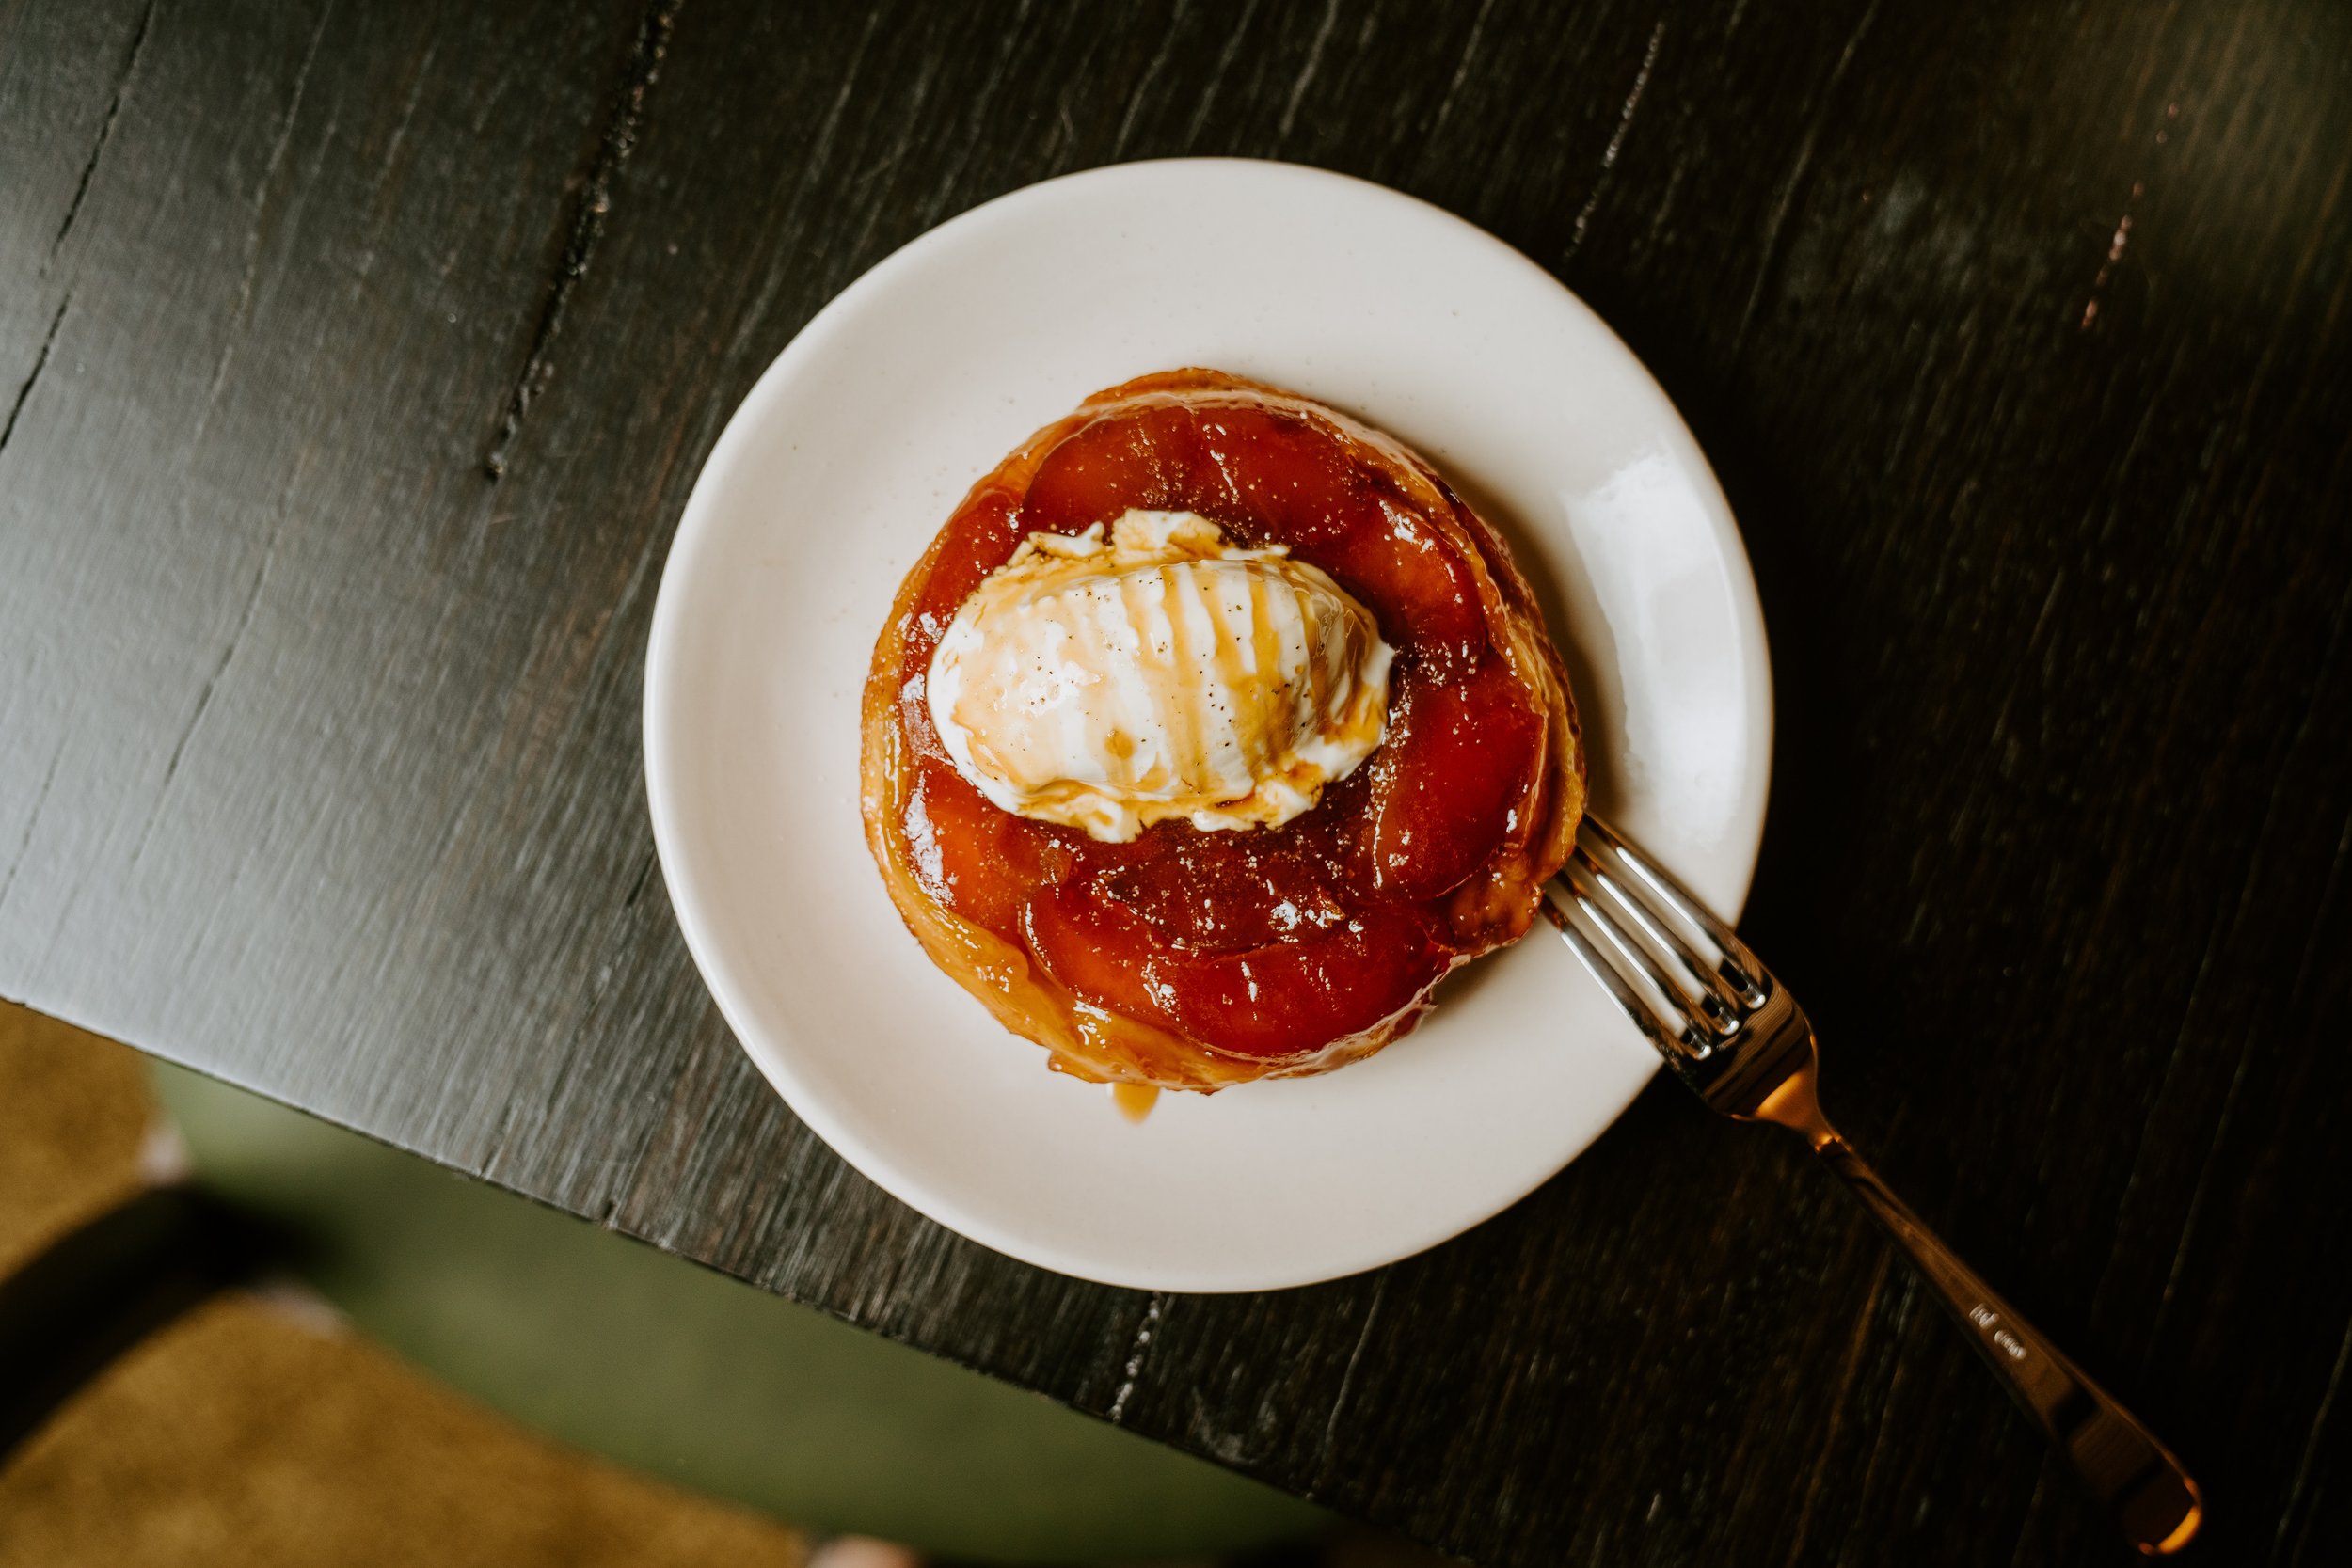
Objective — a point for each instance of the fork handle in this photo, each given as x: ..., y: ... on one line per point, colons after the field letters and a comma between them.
x: 2119, y: 1459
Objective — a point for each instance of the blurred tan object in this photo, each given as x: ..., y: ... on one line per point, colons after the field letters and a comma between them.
x: 242, y: 1436
x: 73, y: 1112
x: 862, y: 1551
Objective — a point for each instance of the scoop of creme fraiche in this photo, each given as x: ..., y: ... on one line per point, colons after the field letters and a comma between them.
x: 1109, y: 683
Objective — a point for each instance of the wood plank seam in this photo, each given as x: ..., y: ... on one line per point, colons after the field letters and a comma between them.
x: 1617, y: 144
x: 41, y: 363
x: 639, y: 72
x: 106, y: 130
x: 242, y: 315
x: 1768, y: 259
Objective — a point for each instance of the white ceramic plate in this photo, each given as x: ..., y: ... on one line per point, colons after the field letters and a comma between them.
x: 847, y: 456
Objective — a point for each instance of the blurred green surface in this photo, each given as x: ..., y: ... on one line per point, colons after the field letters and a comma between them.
x: 623, y: 1350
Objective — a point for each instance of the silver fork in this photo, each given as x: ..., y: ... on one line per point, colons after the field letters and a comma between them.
x: 1738, y: 1039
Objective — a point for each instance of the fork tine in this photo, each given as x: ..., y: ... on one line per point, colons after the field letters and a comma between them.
x: 1691, y: 1036
x: 1740, y: 966
x: 1627, y: 1000
x: 1623, y: 929
x: 1701, y: 984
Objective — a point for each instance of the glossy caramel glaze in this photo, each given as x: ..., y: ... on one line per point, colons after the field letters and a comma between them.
x: 1192, y: 959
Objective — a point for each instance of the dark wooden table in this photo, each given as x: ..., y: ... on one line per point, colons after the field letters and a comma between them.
x: 355, y: 361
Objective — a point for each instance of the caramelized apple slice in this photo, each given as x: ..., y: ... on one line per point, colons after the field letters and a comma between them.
x: 1273, y: 479
x: 1284, y: 1002
x: 1453, y: 783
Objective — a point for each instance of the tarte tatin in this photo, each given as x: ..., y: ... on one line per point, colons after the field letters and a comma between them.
x: 1212, y: 731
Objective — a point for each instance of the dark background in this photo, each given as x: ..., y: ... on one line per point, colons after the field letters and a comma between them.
x: 355, y: 363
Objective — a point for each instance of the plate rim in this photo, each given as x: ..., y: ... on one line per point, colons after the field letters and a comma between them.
x: 696, y: 528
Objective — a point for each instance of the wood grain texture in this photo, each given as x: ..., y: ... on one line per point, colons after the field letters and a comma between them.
x: 356, y: 362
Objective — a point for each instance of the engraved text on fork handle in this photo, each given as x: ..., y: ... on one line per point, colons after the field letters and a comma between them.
x: 2122, y: 1462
